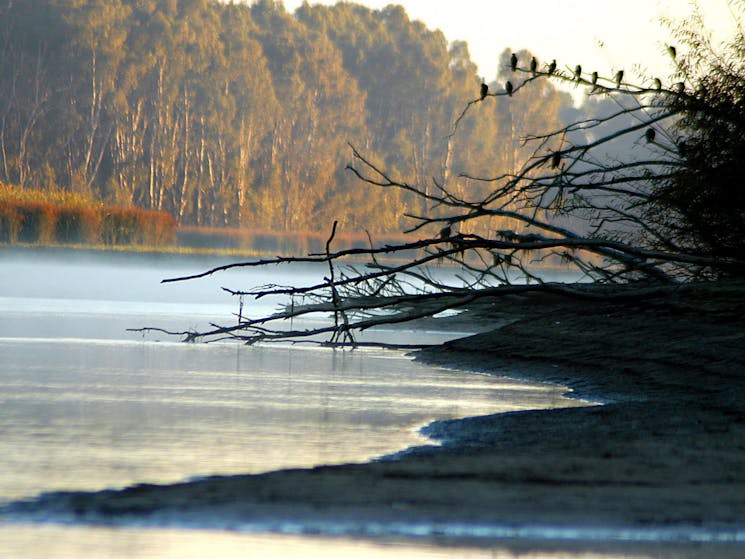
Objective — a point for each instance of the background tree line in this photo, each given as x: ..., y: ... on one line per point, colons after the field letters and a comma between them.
x: 228, y: 114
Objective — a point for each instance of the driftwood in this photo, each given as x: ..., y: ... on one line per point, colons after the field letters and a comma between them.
x: 569, y: 202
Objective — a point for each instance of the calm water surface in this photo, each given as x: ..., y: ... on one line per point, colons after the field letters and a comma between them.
x: 86, y: 405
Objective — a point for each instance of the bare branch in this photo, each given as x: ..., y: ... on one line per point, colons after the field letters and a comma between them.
x: 606, y: 215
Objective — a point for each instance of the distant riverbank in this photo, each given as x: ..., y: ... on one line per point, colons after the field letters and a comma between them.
x: 208, y: 257
x: 143, y: 232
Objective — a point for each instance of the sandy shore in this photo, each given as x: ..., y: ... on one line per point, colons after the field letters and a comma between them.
x: 665, y: 453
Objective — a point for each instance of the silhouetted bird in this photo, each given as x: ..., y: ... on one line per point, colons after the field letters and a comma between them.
x: 507, y: 234
x: 671, y: 50
x: 513, y: 62
x: 577, y: 72
x: 619, y: 78
x: 552, y: 66
x: 446, y: 232
x: 680, y: 86
x: 533, y: 64
x: 529, y: 238
x: 650, y: 135
x: 657, y: 84
x: 594, y: 79
x: 508, y: 88
x: 484, y: 90
x: 555, y: 160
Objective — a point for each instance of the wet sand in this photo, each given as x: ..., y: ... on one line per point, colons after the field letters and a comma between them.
x: 664, y: 455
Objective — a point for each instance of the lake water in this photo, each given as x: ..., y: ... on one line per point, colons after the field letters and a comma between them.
x: 86, y: 405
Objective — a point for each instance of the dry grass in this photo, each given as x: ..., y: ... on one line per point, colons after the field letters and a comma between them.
x: 56, y: 217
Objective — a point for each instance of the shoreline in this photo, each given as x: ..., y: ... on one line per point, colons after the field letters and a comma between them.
x: 665, y: 452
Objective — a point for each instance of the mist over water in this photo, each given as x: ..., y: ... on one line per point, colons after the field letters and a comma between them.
x: 87, y: 405
x: 118, y: 283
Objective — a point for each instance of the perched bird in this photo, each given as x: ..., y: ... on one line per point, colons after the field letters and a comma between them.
x: 507, y: 234
x: 484, y: 90
x: 555, y: 160
x: 650, y: 135
x: 594, y: 79
x: 578, y: 72
x: 552, y: 66
x: 446, y: 232
x: 657, y: 84
x: 508, y: 88
x: 681, y: 87
x: 619, y: 78
x: 513, y: 62
x: 672, y: 52
x: 529, y: 238
x: 533, y: 64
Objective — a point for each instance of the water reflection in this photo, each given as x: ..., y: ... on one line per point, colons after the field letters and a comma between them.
x: 86, y: 405
x: 90, y: 414
x: 53, y: 542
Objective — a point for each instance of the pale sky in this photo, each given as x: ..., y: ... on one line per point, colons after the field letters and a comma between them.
x: 602, y: 35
